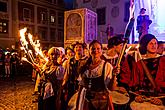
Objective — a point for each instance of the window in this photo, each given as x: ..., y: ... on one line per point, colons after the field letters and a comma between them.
x: 26, y: 14
x: 43, y: 32
x: 115, y: 11
x: 60, y: 19
x: 52, y: 18
x: 3, y: 6
x: 53, y: 34
x: 3, y: 26
x: 43, y: 18
x: 101, y: 16
x: 60, y: 35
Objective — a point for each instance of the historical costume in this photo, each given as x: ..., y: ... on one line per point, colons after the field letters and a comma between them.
x: 126, y: 76
x: 94, y: 79
x: 143, y: 22
x: 151, y: 72
x: 70, y: 82
x: 51, y: 81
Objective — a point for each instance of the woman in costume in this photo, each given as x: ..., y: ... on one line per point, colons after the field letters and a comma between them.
x: 51, y: 80
x: 95, y: 79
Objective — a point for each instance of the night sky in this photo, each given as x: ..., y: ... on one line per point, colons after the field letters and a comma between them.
x: 69, y: 4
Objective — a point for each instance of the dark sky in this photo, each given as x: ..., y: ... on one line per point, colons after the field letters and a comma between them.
x: 69, y: 4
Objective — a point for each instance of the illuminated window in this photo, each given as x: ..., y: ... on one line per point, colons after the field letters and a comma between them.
x: 52, y: 19
x: 43, y: 18
x: 3, y: 26
x: 42, y: 15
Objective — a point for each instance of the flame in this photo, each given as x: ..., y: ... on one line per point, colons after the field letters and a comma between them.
x: 24, y: 43
x: 23, y: 39
x: 36, y: 45
x: 25, y: 59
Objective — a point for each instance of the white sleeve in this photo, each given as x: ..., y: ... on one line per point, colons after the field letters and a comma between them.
x: 108, y: 73
x: 60, y: 72
x: 108, y: 70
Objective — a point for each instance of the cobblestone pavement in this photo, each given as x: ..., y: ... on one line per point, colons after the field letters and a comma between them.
x: 16, y: 94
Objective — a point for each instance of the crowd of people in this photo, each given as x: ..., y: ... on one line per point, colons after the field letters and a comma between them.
x: 11, y: 64
x: 88, y: 77
x: 85, y: 77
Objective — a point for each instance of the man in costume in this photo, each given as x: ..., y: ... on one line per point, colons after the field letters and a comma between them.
x: 143, y: 22
x: 151, y: 71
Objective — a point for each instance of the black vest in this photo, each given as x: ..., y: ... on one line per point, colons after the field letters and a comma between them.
x: 95, y: 84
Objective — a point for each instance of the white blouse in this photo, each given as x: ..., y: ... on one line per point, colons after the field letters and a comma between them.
x: 96, y: 72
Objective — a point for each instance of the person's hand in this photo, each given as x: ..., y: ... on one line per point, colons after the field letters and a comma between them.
x: 140, y: 99
x: 36, y: 67
x: 116, y: 71
x: 156, y: 101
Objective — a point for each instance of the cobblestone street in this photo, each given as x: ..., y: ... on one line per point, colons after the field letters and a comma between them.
x: 16, y: 94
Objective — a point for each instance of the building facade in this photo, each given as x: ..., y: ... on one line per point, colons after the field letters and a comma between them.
x: 113, y: 13
x: 43, y: 18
